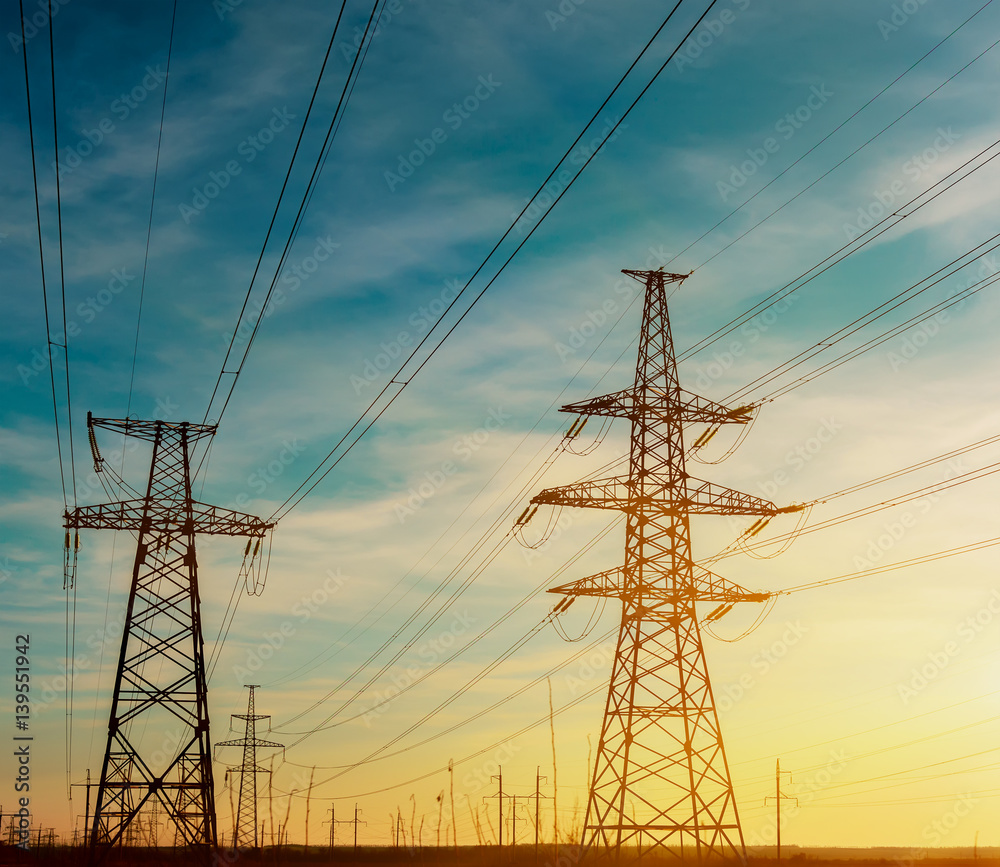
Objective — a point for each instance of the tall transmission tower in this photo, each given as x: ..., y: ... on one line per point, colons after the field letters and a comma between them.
x: 661, y: 779
x: 245, y: 833
x: 161, y: 682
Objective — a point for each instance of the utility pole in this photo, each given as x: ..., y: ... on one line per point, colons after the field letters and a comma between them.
x: 86, y: 819
x: 538, y: 799
x: 161, y: 681
x: 661, y: 745
x: 778, y: 798
x: 499, y: 778
x: 334, y: 821
x: 245, y: 835
x: 356, y: 827
x: 513, y: 818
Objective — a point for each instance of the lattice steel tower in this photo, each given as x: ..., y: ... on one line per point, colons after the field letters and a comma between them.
x: 661, y: 780
x: 245, y: 832
x: 160, y: 687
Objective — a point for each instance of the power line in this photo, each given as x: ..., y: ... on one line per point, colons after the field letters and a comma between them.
x: 855, y: 151
x: 294, y: 499
x: 62, y: 270
x: 152, y: 202
x: 829, y: 135
x: 277, y: 206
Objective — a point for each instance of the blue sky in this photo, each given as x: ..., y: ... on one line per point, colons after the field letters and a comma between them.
x: 379, y: 252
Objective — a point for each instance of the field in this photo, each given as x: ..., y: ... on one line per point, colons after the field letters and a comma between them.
x: 487, y: 856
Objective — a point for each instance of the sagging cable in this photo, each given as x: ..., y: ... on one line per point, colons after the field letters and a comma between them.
x: 805, y: 511
x: 769, y: 603
x: 739, y: 413
x: 546, y: 533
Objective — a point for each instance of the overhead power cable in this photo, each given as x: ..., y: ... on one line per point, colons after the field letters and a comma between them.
x: 318, y: 474
x: 824, y: 139
x: 876, y: 230
x: 274, y: 217
x: 149, y: 224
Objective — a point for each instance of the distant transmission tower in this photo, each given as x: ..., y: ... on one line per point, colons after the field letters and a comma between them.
x: 161, y: 682
x: 245, y: 832
x: 661, y: 780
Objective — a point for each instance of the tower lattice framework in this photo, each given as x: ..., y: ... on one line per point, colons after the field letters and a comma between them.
x: 158, y: 732
x: 661, y: 779
x: 245, y: 832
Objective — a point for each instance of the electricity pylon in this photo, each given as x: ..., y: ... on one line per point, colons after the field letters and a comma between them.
x: 161, y: 682
x: 245, y: 833
x: 661, y: 780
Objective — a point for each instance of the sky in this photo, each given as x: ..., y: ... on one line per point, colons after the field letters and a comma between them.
x: 773, y: 137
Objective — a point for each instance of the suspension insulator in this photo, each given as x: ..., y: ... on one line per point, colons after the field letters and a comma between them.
x: 721, y: 611
x: 763, y: 523
x: 520, y: 519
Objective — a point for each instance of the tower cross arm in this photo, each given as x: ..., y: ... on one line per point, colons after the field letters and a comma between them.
x: 707, y: 587
x: 693, y: 496
x: 251, y: 742
x: 706, y: 498
x: 630, y: 403
x: 133, y: 515
x: 598, y: 494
